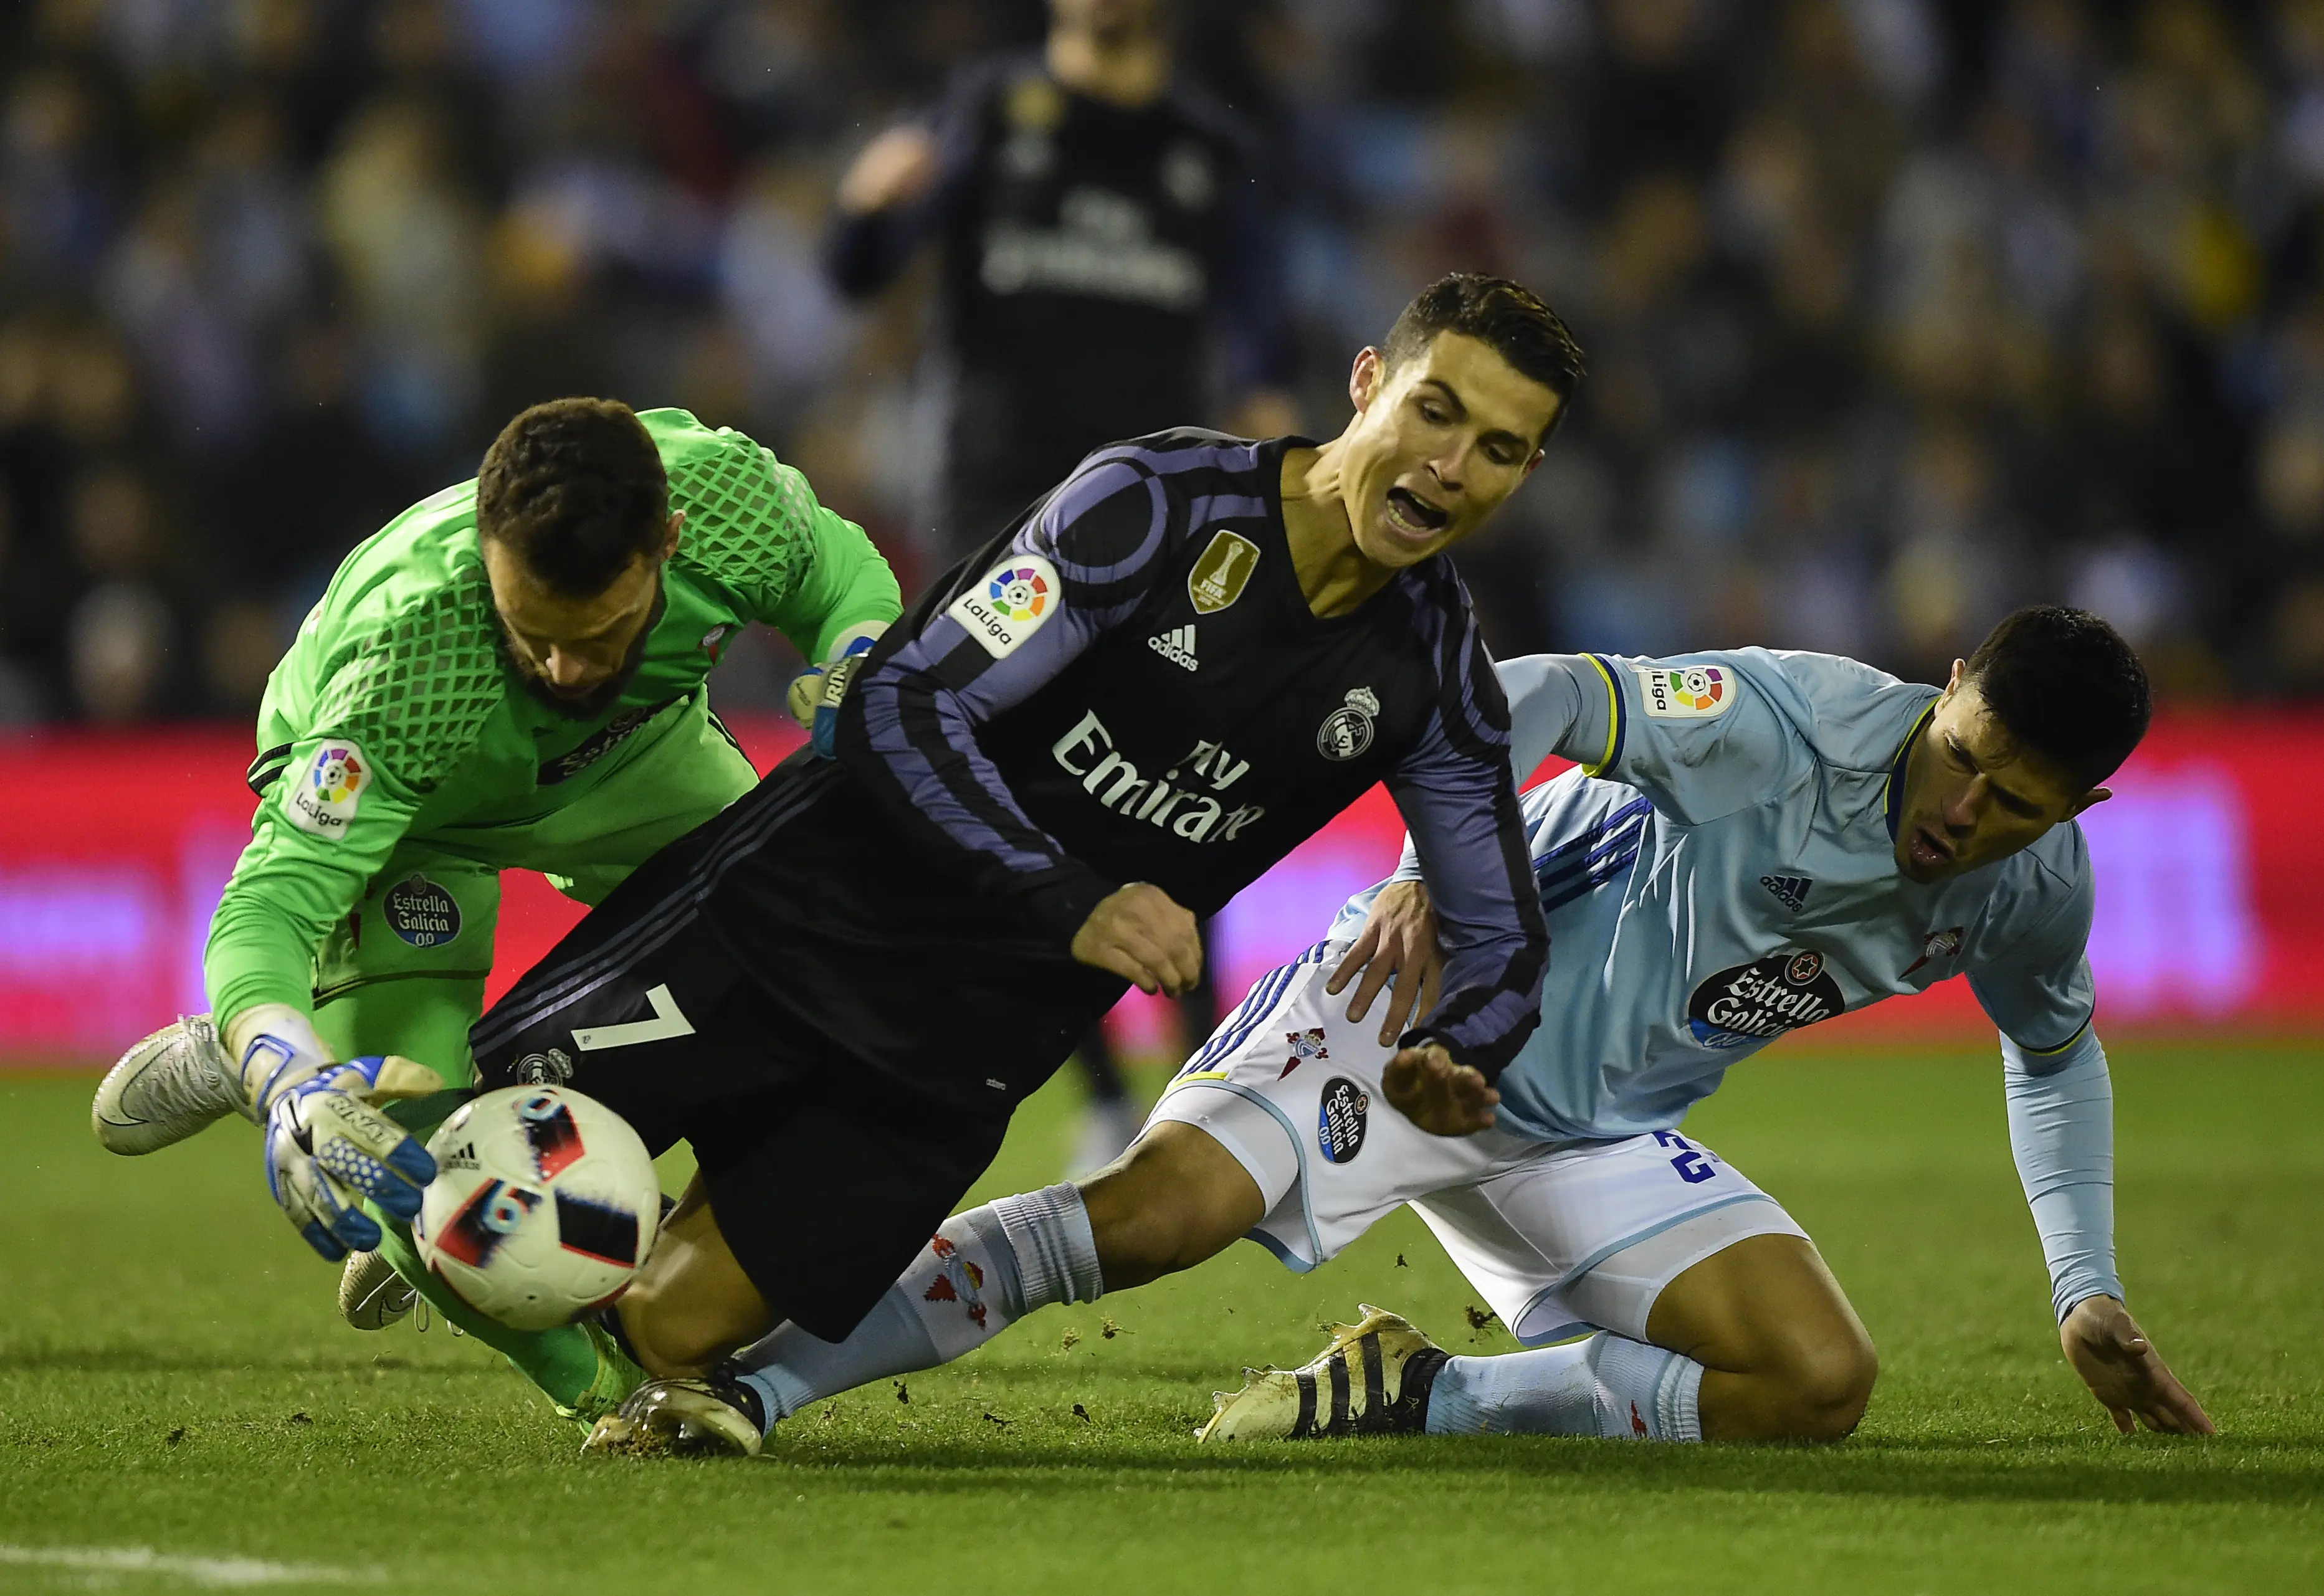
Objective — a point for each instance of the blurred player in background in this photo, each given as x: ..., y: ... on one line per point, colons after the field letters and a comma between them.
x: 511, y: 675
x: 1099, y: 224
x: 1754, y: 841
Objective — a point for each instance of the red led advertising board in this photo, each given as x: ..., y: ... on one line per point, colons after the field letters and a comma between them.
x: 114, y: 848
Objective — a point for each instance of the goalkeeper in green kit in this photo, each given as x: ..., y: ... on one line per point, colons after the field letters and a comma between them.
x: 510, y: 674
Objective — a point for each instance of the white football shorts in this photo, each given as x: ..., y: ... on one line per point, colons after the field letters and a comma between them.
x: 1561, y: 1238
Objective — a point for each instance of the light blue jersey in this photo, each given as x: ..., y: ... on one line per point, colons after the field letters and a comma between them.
x: 1722, y: 870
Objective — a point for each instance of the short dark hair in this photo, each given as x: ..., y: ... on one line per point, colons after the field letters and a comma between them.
x: 2065, y: 685
x: 575, y: 489
x: 1507, y: 316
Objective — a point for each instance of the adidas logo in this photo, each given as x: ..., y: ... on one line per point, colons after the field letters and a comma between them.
x: 1176, y: 645
x: 1790, y: 891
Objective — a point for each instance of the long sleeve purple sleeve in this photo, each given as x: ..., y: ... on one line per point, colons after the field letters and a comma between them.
x: 1078, y: 567
x: 1459, y: 802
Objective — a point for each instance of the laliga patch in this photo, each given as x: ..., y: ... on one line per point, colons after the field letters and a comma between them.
x: 1687, y: 692
x: 1222, y: 573
x: 1339, y: 1119
x: 420, y: 912
x: 1010, y: 604
x: 323, y: 800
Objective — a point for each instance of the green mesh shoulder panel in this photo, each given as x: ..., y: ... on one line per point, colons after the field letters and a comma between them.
x: 750, y: 518
x: 416, y: 689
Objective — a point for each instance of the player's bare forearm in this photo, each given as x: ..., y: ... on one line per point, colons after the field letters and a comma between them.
x: 1397, y: 943
x: 897, y: 167
x: 1142, y: 935
x: 2125, y: 1373
x: 1442, y: 1097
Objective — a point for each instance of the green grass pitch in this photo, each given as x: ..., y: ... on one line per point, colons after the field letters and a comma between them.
x: 173, y: 1378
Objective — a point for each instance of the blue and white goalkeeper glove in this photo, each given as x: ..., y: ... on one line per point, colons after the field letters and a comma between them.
x: 816, y: 692
x: 327, y: 1146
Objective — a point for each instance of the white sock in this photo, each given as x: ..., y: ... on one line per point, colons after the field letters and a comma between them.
x: 1605, y: 1386
x: 984, y: 1270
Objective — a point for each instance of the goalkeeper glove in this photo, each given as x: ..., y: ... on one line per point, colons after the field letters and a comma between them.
x: 327, y: 1148
x: 816, y: 692
x: 326, y: 1144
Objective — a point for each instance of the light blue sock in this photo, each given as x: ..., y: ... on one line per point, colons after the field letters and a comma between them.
x: 984, y: 1270
x: 1605, y: 1386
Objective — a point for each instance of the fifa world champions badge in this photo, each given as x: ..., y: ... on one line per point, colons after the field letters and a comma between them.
x: 1686, y: 692
x: 323, y: 797
x: 1220, y: 573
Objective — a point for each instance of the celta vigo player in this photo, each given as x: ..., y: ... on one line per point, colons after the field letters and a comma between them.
x: 1756, y: 841
x: 1185, y: 659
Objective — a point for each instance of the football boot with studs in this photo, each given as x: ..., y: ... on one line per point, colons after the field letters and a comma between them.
x: 714, y: 1416
x: 372, y: 1295
x: 176, y: 1082
x: 1372, y: 1379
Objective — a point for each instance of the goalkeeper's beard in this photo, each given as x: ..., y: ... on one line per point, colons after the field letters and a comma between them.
x: 605, y: 694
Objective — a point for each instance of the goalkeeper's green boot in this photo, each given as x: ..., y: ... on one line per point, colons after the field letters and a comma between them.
x: 618, y: 1375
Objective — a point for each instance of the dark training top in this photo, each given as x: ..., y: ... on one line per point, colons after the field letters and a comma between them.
x: 1087, y: 250
x: 1131, y: 687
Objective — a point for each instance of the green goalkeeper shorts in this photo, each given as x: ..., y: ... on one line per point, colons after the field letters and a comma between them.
x: 405, y: 972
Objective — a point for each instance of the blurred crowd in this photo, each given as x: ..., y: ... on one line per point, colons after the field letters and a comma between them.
x: 1899, y: 312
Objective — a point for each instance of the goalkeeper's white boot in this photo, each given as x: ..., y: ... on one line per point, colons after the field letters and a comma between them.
x: 173, y: 1083
x: 372, y: 1295
x: 715, y: 1415
x: 1372, y: 1379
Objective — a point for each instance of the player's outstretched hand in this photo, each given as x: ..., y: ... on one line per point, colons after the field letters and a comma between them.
x: 1142, y: 936
x: 1442, y: 1098
x: 2125, y: 1373
x: 895, y: 169
x: 1399, y: 943
x: 326, y: 1148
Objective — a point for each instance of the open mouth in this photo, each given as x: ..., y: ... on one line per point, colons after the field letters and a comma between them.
x: 1928, y: 849
x: 1415, y: 516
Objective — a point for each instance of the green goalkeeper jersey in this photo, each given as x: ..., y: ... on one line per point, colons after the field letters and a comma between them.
x: 397, y: 714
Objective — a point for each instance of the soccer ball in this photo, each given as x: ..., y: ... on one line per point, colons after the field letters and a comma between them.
x: 544, y: 1204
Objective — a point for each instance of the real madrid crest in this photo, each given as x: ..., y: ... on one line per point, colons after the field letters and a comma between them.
x: 552, y: 1068
x: 1347, y: 730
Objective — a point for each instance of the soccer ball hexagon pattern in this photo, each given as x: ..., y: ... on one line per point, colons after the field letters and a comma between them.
x: 545, y: 1202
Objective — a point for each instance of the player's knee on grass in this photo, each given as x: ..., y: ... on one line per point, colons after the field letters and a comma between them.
x: 1825, y: 1379
x: 1176, y: 1198
x: 1788, y: 1359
